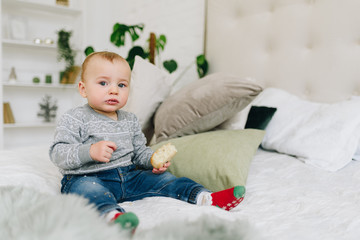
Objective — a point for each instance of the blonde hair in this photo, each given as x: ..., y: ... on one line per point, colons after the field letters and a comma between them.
x: 110, y: 56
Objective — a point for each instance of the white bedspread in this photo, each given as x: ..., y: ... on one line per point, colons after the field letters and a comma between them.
x: 285, y: 198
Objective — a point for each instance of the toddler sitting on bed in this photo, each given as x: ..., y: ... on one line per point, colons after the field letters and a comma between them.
x: 102, y: 152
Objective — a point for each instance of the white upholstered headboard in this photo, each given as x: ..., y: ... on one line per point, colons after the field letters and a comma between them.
x: 308, y: 47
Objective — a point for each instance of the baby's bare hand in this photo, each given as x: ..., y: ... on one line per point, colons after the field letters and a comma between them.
x: 162, y: 169
x: 102, y: 151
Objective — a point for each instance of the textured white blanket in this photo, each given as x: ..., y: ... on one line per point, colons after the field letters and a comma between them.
x: 286, y: 199
x: 29, y: 214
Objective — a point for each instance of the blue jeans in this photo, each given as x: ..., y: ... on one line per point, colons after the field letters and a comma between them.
x: 107, y: 188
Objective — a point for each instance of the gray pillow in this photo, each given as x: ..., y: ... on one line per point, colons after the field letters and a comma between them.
x: 203, y: 105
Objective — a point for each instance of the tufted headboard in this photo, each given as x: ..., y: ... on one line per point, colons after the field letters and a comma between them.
x: 308, y: 47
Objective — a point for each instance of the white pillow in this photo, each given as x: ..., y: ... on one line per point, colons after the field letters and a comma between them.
x: 323, y: 135
x: 148, y: 88
x: 236, y: 122
x: 357, y: 153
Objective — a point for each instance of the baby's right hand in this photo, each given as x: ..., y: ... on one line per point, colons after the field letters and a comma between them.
x: 102, y: 151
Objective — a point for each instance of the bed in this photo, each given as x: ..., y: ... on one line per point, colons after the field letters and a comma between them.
x: 279, y: 112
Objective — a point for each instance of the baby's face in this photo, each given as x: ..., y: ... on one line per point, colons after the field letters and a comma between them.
x: 106, y: 85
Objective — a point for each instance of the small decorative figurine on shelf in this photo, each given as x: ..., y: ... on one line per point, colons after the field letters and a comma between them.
x: 37, y: 41
x: 36, y: 80
x: 48, y: 78
x: 12, y: 76
x: 62, y: 2
x: 48, y: 41
x: 48, y: 108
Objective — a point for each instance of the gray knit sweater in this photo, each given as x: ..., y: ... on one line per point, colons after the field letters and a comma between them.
x: 80, y: 127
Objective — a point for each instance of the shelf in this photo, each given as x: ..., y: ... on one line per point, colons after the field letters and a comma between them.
x: 39, y: 85
x: 22, y: 43
x: 41, y: 7
x: 30, y: 44
x: 29, y: 125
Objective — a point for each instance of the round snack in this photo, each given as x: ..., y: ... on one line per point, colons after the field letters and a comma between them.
x: 163, y: 155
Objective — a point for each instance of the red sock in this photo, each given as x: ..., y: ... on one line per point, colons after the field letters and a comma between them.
x: 116, y: 216
x: 229, y: 198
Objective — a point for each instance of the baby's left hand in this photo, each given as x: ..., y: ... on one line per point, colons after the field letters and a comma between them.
x: 162, y: 169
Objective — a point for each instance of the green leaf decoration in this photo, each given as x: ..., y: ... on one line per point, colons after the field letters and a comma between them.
x: 136, y: 51
x: 202, y: 65
x: 118, y: 38
x: 160, y: 43
x: 89, y: 50
x: 170, y: 65
x: 119, y: 32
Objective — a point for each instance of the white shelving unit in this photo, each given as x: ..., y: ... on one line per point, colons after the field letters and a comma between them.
x: 39, y: 85
x: 23, y: 22
x: 29, y: 125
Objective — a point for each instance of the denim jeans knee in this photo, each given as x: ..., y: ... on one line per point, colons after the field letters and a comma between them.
x: 93, y: 189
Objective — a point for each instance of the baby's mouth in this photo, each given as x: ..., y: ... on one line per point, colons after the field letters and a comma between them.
x: 112, y: 101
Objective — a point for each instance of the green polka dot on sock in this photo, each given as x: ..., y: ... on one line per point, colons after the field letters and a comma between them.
x: 239, y: 191
x: 127, y: 220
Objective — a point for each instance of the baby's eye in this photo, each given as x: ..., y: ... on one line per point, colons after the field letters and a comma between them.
x: 102, y: 83
x: 121, y: 85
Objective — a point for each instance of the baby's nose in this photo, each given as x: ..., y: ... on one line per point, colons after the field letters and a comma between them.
x: 114, y: 89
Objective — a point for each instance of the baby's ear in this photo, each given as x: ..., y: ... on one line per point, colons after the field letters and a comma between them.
x: 82, y: 89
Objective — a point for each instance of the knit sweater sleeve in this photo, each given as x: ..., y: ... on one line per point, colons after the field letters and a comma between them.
x: 142, y: 153
x: 67, y: 151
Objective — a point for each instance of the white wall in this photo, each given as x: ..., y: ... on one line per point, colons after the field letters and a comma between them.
x: 182, y: 22
x: 1, y: 90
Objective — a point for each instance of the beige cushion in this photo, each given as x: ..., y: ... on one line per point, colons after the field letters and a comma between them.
x: 203, y: 105
x: 218, y: 160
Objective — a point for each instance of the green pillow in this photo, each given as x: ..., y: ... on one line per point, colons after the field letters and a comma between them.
x: 218, y: 160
